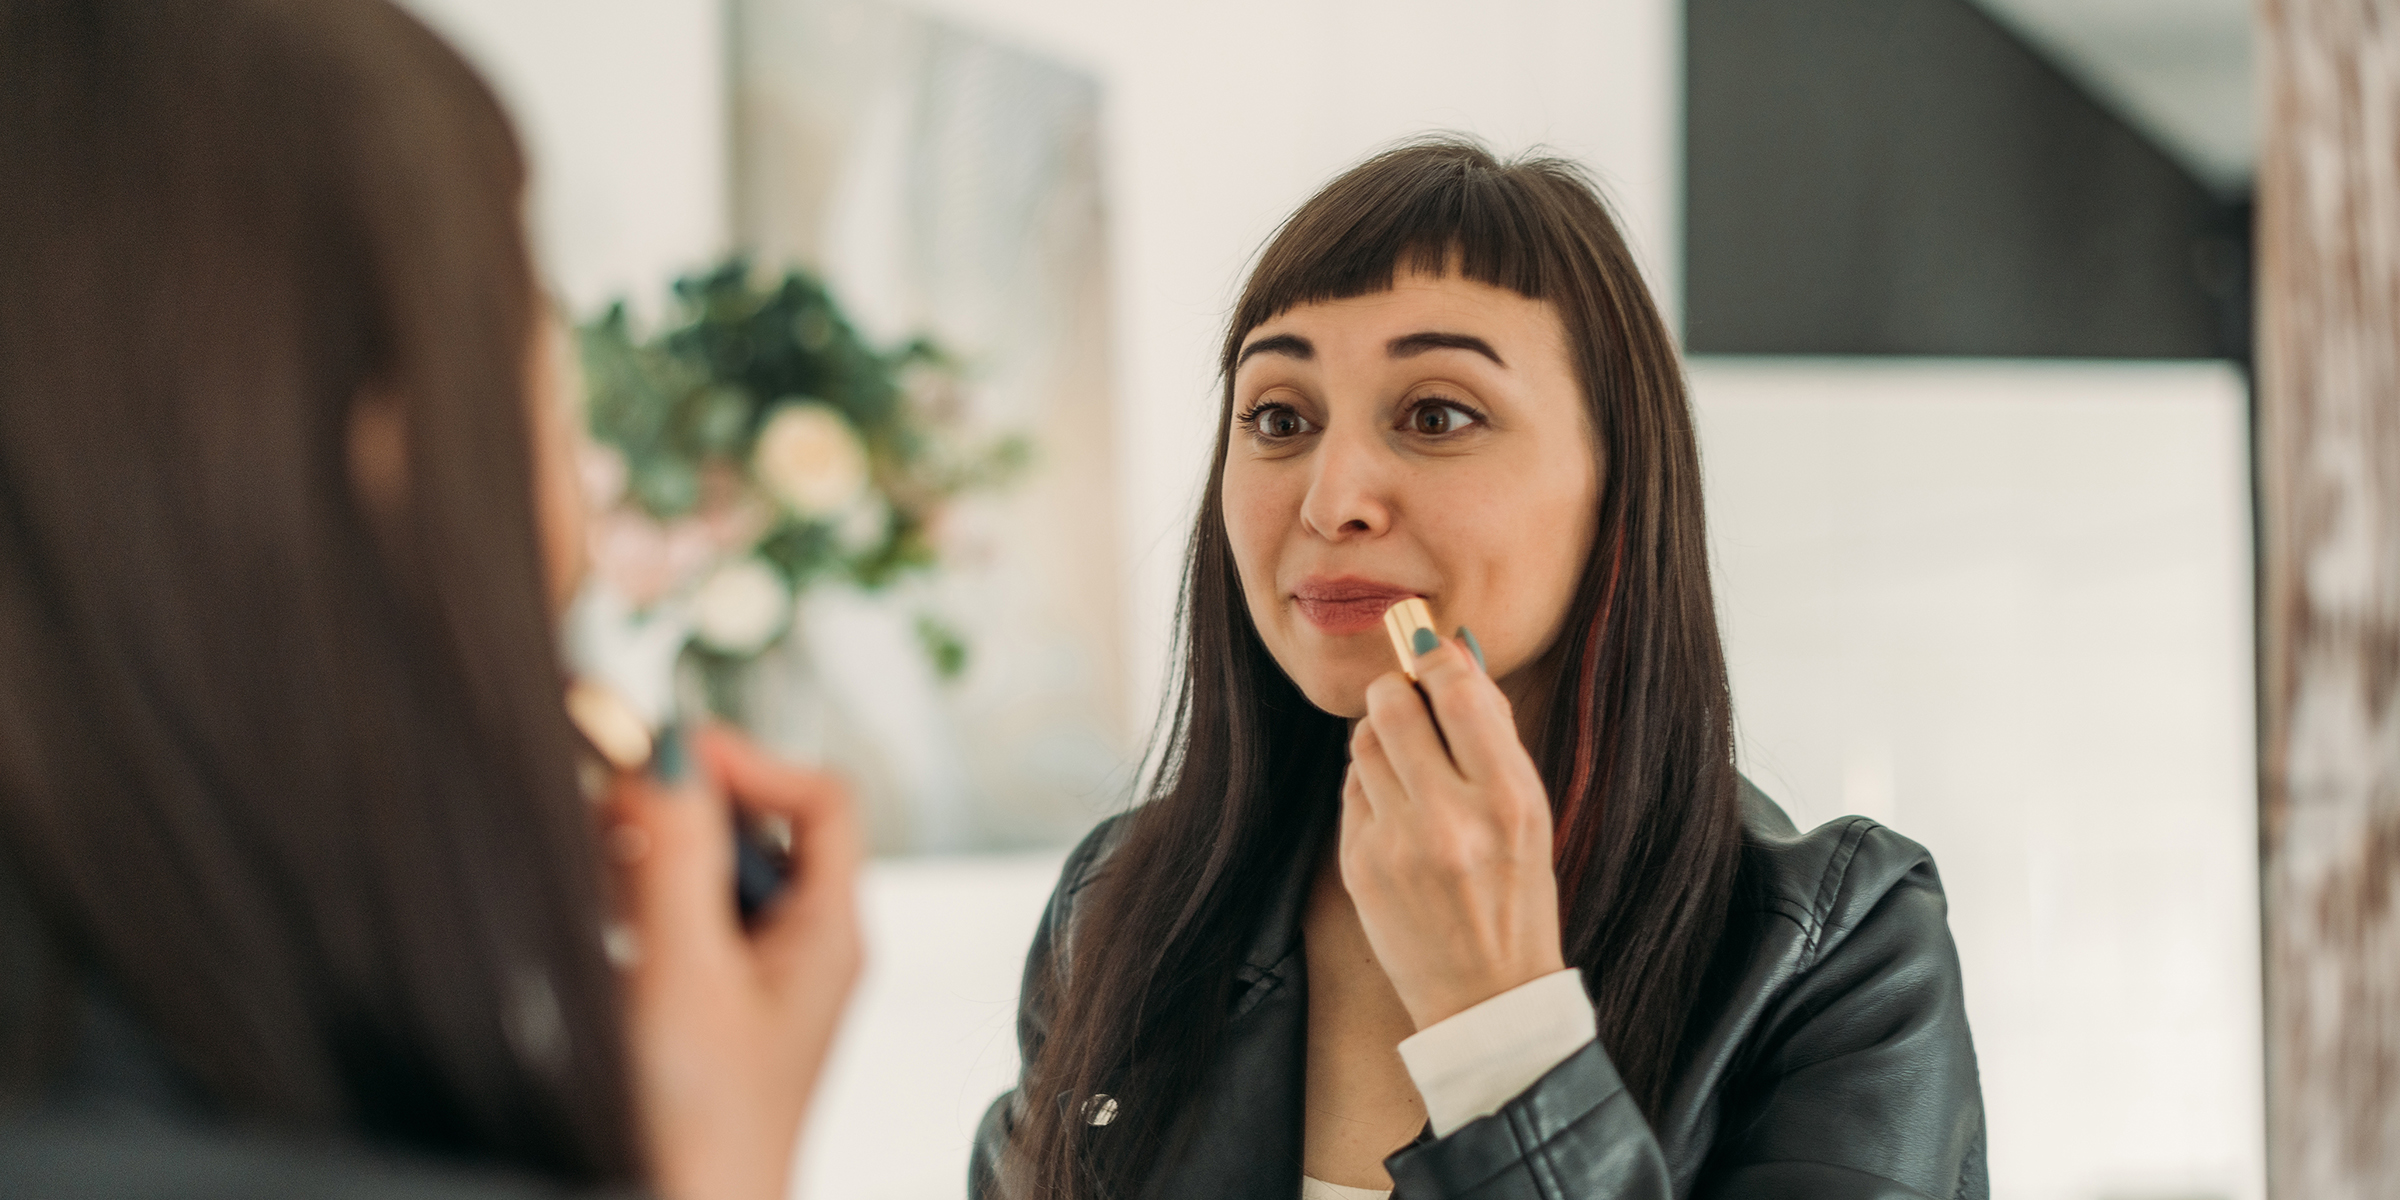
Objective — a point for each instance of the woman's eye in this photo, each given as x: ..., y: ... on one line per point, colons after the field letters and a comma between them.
x: 1436, y: 418
x: 1275, y: 422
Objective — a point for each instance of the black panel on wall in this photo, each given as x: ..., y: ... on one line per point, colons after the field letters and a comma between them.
x: 1906, y: 177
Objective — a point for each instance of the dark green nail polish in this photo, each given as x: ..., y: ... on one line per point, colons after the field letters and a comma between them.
x: 1475, y: 648
x: 670, y: 757
x: 1425, y: 641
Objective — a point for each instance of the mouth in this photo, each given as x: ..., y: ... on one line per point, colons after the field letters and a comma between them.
x: 1347, y: 605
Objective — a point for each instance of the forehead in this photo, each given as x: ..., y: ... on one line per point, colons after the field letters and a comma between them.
x: 1417, y: 303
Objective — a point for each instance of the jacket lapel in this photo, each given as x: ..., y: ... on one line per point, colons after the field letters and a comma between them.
x: 1240, y: 1135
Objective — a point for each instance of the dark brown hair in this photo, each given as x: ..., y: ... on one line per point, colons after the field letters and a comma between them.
x: 288, y: 778
x: 1637, y: 746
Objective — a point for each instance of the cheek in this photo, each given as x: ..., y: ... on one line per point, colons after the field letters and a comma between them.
x: 1518, y: 548
x: 1255, y: 518
x: 1562, y: 554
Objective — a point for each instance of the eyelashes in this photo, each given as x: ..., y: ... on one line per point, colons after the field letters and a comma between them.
x: 1428, y: 416
x: 1261, y: 420
x: 1433, y: 410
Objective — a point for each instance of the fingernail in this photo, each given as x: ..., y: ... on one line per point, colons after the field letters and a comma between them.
x: 1473, y: 647
x: 1425, y: 641
x: 671, y: 759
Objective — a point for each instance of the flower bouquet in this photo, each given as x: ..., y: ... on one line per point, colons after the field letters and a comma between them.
x: 753, y: 446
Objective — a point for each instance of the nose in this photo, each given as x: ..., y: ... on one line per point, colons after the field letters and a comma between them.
x: 1348, y: 487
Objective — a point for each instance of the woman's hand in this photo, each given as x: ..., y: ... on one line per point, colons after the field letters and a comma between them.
x: 1447, y: 853
x: 730, y: 1029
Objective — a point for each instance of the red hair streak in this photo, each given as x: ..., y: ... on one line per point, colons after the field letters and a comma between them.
x: 1574, y: 848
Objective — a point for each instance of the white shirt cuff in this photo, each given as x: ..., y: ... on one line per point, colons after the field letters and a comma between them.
x: 1469, y: 1064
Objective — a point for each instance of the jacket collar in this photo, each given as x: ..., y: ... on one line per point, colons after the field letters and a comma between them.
x: 1243, y: 1126
x: 1275, y: 946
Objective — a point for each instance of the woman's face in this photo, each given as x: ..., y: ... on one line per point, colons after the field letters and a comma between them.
x: 1429, y: 441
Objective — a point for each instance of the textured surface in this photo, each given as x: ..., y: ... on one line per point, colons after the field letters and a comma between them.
x: 2330, y: 434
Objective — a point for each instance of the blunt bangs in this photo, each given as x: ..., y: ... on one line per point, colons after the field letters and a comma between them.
x: 1436, y: 206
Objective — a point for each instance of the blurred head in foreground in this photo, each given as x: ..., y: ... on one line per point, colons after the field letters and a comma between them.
x: 283, y: 772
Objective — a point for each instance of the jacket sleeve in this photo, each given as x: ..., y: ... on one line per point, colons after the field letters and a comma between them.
x: 1575, y: 1133
x: 1035, y: 996
x: 1865, y: 1084
x: 1861, y: 1086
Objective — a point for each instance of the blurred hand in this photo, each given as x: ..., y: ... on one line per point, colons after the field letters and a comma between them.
x: 730, y: 1028
x: 1446, y: 854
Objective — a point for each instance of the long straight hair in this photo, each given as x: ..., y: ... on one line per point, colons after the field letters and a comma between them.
x: 283, y: 773
x: 1636, y: 749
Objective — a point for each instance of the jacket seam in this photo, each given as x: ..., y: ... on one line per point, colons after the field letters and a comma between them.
x: 1519, y: 1130
x: 1843, y: 1167
x: 1538, y: 1162
x: 1265, y: 982
x: 1829, y: 886
x: 1085, y: 867
x: 1082, y: 868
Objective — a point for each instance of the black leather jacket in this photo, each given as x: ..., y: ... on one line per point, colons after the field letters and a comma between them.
x: 1839, y: 1066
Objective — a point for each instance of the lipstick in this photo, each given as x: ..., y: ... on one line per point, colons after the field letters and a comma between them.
x: 1409, y: 621
x: 624, y: 743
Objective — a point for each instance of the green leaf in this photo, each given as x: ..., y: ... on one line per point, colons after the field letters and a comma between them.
x: 668, y: 487
x: 943, y: 645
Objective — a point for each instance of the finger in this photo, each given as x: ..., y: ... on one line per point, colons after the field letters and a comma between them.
x: 1358, y: 811
x: 762, y: 782
x: 676, y: 865
x: 821, y: 901
x: 1410, y: 742
x: 1357, y: 806
x: 1473, y: 714
x: 1372, y: 765
x: 813, y: 801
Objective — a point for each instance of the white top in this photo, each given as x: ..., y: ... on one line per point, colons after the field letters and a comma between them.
x: 1312, y: 1188
x: 1469, y: 1065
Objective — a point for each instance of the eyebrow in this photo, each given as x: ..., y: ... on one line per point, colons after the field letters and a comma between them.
x: 1410, y: 345
x: 1288, y: 344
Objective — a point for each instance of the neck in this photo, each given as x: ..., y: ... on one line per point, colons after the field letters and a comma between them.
x: 1528, y: 690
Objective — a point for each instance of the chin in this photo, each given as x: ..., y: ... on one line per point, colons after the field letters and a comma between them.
x: 1333, y: 672
x: 1340, y: 693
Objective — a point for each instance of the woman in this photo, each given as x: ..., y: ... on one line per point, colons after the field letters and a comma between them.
x: 298, y: 890
x: 1521, y: 931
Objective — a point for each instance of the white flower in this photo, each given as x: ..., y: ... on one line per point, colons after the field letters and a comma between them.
x: 740, y: 607
x: 810, y: 458
x: 864, y: 526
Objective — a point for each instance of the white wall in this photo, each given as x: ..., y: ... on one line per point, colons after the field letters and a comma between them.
x: 621, y: 105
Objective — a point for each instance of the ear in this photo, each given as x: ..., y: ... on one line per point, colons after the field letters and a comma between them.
x: 554, y: 387
x: 378, y: 453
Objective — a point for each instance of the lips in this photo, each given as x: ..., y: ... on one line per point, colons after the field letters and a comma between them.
x: 1347, y: 605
